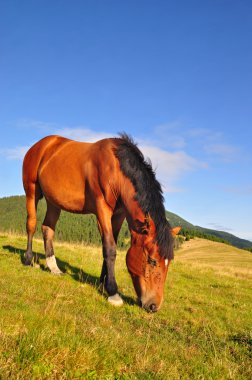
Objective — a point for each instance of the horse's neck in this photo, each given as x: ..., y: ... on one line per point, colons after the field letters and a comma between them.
x: 132, y: 208
x: 136, y: 218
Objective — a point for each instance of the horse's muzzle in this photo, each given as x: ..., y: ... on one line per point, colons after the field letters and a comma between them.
x: 149, y: 307
x: 153, y: 308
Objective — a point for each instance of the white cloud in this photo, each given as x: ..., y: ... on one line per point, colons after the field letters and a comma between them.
x: 239, y: 190
x: 17, y: 153
x: 207, y: 142
x: 204, y: 134
x: 247, y: 235
x: 225, y: 152
x: 38, y: 125
x: 170, y: 166
x: 241, y: 234
x: 219, y: 227
x: 170, y: 134
x: 81, y: 134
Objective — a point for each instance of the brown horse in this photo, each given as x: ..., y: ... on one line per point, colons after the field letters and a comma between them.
x: 111, y: 179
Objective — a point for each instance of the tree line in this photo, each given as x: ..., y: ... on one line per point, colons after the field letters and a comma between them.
x: 83, y: 228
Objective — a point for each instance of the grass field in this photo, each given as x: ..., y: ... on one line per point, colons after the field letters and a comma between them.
x: 63, y: 328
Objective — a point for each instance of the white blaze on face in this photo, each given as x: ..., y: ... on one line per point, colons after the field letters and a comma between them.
x: 166, y: 262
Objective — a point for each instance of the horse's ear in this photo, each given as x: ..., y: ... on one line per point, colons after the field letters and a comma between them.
x: 175, y: 230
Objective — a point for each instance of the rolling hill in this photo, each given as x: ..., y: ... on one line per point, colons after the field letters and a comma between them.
x: 83, y: 228
x: 176, y: 220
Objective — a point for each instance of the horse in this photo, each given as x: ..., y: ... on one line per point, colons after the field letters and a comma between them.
x: 111, y: 179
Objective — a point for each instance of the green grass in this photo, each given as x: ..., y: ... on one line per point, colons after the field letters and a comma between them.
x: 63, y: 328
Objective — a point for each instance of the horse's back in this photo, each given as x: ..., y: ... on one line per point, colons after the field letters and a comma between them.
x: 71, y: 174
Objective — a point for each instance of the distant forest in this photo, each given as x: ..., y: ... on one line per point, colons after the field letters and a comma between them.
x: 70, y: 227
x: 83, y: 228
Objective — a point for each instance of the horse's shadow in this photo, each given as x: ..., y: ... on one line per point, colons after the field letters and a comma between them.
x: 76, y: 273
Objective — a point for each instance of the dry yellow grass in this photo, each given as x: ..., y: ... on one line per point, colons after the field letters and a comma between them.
x: 223, y: 258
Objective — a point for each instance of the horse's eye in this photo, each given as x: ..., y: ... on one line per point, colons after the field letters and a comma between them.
x: 152, y: 262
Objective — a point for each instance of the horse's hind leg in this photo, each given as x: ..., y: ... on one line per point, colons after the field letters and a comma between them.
x: 48, y: 228
x: 33, y: 194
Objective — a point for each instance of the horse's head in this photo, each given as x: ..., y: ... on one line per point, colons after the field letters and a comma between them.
x: 147, y: 268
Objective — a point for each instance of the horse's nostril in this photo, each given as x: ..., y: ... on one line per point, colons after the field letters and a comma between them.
x: 153, y: 307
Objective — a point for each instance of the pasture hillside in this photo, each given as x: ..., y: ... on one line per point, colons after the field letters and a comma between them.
x: 62, y: 328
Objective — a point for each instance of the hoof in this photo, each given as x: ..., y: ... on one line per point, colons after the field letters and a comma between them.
x: 115, y: 300
x: 57, y: 272
x: 52, y: 265
x: 28, y: 263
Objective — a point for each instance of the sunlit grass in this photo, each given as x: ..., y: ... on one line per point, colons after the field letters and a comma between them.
x: 63, y: 328
x: 222, y: 258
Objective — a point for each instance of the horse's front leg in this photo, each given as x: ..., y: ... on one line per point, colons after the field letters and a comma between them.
x: 109, y: 255
x: 108, y: 271
x: 108, y: 268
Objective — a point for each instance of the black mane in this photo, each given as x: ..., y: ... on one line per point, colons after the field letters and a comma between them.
x: 148, y: 190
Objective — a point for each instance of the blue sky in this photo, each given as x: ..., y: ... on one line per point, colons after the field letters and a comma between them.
x: 175, y: 75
